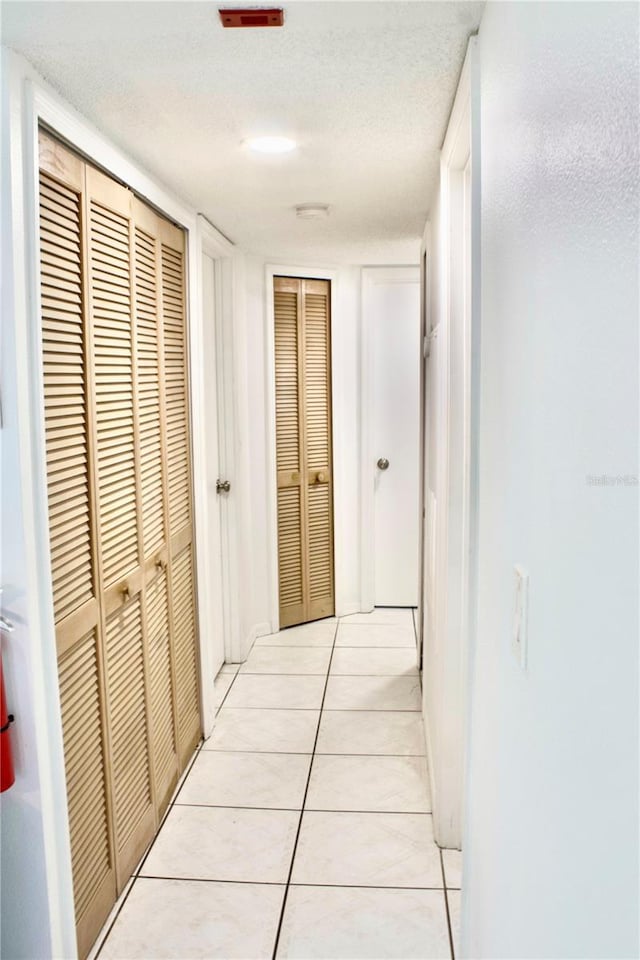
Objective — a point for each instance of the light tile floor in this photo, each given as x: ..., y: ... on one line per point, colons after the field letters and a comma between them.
x: 303, y: 827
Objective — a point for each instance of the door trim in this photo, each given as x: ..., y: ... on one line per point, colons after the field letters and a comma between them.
x: 225, y: 258
x: 305, y: 273
x: 445, y: 709
x: 371, y: 276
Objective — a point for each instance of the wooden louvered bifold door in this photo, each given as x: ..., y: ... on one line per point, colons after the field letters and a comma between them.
x: 72, y: 534
x: 114, y: 356
x: 303, y: 449
x: 115, y: 364
x: 149, y: 231
x: 180, y: 513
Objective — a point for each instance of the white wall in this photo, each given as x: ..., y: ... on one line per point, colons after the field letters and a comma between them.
x: 258, y: 603
x: 36, y: 907
x: 551, y: 845
x: 439, y: 746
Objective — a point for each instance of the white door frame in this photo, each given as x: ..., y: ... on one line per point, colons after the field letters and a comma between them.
x: 428, y: 333
x: 371, y: 276
x: 457, y: 485
x: 225, y: 594
x: 341, y: 507
x: 29, y: 101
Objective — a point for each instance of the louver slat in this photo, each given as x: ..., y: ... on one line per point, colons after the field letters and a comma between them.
x: 93, y: 874
x: 165, y: 762
x: 133, y: 810
x: 148, y: 372
x: 290, y: 551
x: 175, y: 365
x: 114, y: 388
x: 63, y: 342
x: 320, y: 548
x: 317, y: 406
x: 184, y: 650
x: 286, y: 349
x: 316, y: 381
x: 177, y: 459
x: 289, y: 452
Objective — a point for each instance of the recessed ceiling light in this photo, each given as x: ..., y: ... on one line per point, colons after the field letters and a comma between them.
x: 272, y: 144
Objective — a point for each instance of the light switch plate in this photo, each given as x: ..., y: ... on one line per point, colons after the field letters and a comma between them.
x: 519, y: 637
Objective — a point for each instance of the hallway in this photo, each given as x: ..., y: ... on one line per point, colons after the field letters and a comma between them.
x: 312, y: 792
x: 312, y: 312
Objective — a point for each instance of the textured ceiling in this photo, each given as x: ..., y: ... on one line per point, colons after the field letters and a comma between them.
x: 365, y: 89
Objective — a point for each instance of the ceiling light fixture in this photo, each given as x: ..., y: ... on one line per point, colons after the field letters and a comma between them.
x: 272, y: 144
x: 312, y: 211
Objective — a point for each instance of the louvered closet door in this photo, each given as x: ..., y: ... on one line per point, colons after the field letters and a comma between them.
x: 111, y: 242
x: 115, y: 364
x: 148, y: 231
x: 72, y: 524
x: 180, y: 513
x: 317, y: 412
x: 303, y: 449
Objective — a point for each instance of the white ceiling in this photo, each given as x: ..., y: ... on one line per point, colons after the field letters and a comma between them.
x: 364, y: 87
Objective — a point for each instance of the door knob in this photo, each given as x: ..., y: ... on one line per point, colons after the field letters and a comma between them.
x: 383, y: 463
x: 223, y: 486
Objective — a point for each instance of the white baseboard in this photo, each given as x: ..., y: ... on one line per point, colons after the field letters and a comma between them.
x: 435, y: 808
x: 257, y: 630
x: 346, y: 609
x: 432, y: 779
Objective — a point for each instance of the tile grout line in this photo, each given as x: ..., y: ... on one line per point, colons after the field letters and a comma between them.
x: 332, y: 709
x: 174, y: 801
x: 380, y: 676
x: 446, y: 906
x: 304, y: 800
x: 136, y: 873
x: 183, y: 780
x: 343, y: 646
x: 235, y: 806
x: 307, y: 753
x: 276, y: 883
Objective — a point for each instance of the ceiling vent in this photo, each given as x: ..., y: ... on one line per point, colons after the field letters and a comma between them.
x: 252, y: 17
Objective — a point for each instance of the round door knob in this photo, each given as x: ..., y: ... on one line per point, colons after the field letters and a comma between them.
x: 321, y: 477
x: 383, y: 463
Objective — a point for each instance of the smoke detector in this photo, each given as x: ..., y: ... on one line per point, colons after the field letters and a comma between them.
x: 312, y: 211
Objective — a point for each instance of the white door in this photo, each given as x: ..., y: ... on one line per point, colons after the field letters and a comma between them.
x: 393, y: 318
x: 211, y: 366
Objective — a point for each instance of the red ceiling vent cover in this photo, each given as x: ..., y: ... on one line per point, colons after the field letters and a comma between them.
x: 252, y: 17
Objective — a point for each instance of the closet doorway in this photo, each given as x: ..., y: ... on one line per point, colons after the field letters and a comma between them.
x: 119, y: 478
x: 304, y: 463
